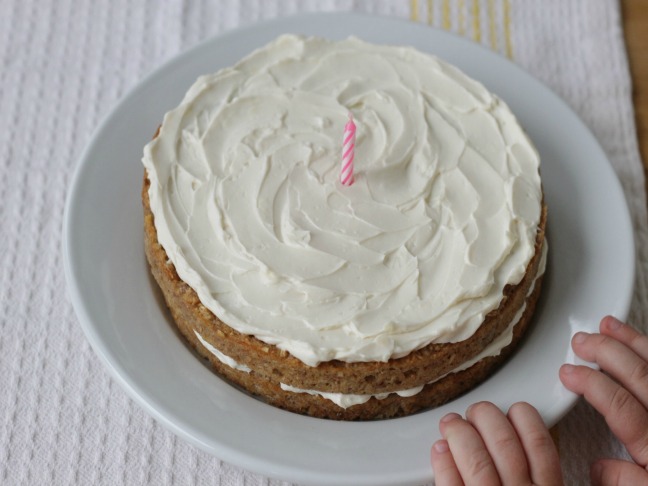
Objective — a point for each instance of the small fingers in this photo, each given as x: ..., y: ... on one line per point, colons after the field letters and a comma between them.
x: 445, y: 469
x: 502, y: 442
x: 539, y: 448
x: 612, y: 472
x: 637, y: 342
x: 626, y: 417
x: 469, y: 451
x: 491, y: 448
x: 615, y: 358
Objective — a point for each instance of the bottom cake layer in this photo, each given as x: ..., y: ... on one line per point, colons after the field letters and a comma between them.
x: 370, y: 407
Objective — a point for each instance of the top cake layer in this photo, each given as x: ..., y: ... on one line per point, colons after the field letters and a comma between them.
x: 248, y: 205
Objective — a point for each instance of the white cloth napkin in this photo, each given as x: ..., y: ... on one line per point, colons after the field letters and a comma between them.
x: 63, y: 66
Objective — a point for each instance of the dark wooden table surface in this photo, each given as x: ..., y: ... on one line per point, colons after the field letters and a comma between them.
x: 635, y: 23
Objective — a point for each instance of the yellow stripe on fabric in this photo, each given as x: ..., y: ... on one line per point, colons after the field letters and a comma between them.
x: 461, y: 19
x: 492, y: 24
x: 414, y: 10
x: 447, y: 23
x: 508, y: 44
x: 475, y: 21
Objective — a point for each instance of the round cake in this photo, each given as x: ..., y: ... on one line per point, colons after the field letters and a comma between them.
x: 371, y: 300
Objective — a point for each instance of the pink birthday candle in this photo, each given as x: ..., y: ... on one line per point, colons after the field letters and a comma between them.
x: 348, y: 150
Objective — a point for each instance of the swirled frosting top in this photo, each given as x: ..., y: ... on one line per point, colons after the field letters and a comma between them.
x: 248, y: 205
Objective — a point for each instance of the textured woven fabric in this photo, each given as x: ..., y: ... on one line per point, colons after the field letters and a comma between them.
x: 63, y: 66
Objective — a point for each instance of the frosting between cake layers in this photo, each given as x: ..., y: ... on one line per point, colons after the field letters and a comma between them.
x: 223, y: 358
x: 248, y: 207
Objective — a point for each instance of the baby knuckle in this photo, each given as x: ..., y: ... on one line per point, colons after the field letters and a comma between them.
x: 506, y: 442
x: 639, y: 373
x: 480, y: 465
x: 620, y: 401
x: 539, y: 441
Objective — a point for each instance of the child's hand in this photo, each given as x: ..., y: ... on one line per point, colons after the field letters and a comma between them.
x: 490, y: 448
x: 619, y: 392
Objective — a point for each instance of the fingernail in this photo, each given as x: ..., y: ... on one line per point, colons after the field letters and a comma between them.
x: 441, y: 446
x: 613, y: 323
x: 449, y: 417
x: 475, y: 405
x: 567, y: 368
x: 580, y: 337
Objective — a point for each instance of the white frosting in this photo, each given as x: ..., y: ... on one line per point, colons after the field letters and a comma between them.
x: 248, y: 206
x: 346, y: 400
x: 223, y: 358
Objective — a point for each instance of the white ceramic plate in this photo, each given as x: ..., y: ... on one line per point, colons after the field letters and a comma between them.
x: 590, y: 273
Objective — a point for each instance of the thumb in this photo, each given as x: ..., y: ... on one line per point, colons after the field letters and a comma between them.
x: 613, y: 472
